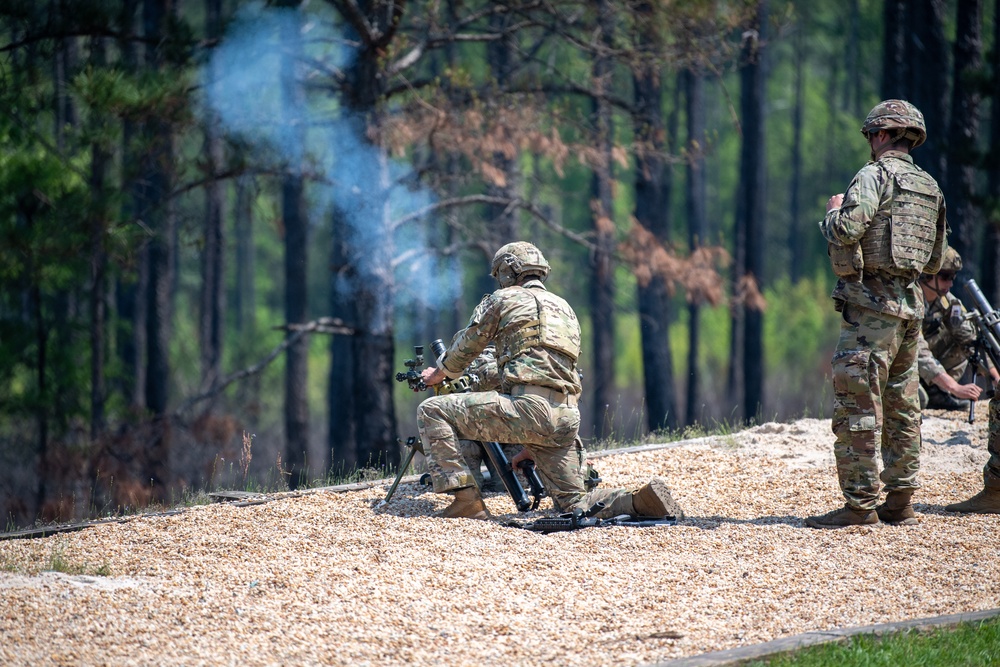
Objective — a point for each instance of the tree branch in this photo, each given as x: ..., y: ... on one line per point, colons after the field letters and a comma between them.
x: 500, y: 201
x: 327, y: 325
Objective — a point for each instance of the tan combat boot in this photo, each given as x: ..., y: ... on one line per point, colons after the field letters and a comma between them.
x: 654, y: 499
x: 986, y: 501
x: 468, y: 504
x: 845, y: 516
x: 897, y: 509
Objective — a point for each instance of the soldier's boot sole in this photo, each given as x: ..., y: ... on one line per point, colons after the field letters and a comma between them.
x: 655, y: 500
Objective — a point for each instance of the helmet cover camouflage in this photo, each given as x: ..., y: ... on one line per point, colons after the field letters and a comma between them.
x: 515, y: 259
x: 951, y: 261
x: 899, y: 118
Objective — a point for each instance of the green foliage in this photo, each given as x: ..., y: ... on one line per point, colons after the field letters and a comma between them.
x: 966, y: 645
x: 799, y: 320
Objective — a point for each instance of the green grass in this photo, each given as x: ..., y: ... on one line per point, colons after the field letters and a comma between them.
x: 966, y: 645
x: 58, y: 562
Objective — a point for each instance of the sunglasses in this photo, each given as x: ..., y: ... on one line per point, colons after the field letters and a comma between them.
x: 946, y: 275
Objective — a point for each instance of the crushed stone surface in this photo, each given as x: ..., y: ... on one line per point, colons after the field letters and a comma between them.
x: 329, y: 578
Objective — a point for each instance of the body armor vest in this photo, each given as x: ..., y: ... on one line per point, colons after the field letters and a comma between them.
x: 900, y: 241
x: 555, y: 328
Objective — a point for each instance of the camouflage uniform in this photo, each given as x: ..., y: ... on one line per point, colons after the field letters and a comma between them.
x: 950, y: 339
x: 991, y: 471
x: 876, y: 405
x: 483, y: 375
x: 538, y: 338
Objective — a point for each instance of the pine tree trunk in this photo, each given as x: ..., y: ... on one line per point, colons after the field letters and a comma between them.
x: 213, y: 258
x: 158, y: 210
x: 343, y: 382
x: 293, y: 210
x: 991, y: 262
x: 653, y: 184
x: 795, y: 251
x: 753, y: 208
x: 602, y: 290
x: 960, y: 184
x: 895, y: 67
x: 99, y: 163
x: 695, y: 207
x: 927, y: 55
x: 503, y: 219
x: 130, y: 290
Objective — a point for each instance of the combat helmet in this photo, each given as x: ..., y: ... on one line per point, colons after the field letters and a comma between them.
x: 517, y: 259
x: 900, y: 118
x: 950, y: 263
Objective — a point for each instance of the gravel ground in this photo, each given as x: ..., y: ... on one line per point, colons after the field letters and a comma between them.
x: 333, y: 579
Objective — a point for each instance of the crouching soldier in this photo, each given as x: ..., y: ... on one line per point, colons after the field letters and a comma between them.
x: 537, y: 338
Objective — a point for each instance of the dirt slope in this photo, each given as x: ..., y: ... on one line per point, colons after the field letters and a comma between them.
x: 331, y: 578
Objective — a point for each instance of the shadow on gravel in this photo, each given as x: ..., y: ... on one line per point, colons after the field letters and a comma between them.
x: 937, y: 510
x: 710, y: 522
x: 957, y: 438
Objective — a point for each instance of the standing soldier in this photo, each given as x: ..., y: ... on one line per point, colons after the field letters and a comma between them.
x: 537, y: 339
x: 951, y: 340
x: 887, y: 229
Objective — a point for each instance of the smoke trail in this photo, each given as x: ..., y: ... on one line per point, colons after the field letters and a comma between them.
x: 244, y: 88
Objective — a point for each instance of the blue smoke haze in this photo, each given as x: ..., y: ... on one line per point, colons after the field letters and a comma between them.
x: 243, y: 84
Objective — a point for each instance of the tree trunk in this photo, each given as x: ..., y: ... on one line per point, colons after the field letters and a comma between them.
x: 895, y: 67
x: 130, y: 292
x: 991, y: 263
x: 64, y: 65
x: 795, y: 251
x: 927, y: 54
x: 695, y: 207
x: 367, y: 366
x: 213, y: 257
x: 99, y: 163
x: 963, y: 151
x: 504, y: 219
x: 158, y: 210
x: 852, y: 82
x: 342, y: 393
x: 602, y: 289
x: 244, y: 299
x: 752, y: 209
x: 653, y: 184
x: 293, y: 210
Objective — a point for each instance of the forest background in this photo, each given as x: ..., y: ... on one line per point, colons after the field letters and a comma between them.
x: 224, y: 224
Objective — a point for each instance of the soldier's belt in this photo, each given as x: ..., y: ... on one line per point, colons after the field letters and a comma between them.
x: 551, y: 395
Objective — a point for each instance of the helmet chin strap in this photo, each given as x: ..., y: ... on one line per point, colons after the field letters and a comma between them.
x: 934, y: 287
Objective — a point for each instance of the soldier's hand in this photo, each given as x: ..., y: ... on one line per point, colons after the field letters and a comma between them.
x: 432, y: 376
x: 967, y: 392
x: 523, y: 455
x: 835, y: 202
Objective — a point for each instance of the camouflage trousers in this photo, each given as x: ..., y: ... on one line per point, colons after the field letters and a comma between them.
x: 876, y: 404
x: 475, y: 457
x: 991, y: 471
x: 547, y: 430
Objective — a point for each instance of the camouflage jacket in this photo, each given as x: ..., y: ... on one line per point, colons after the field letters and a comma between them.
x: 949, y: 337
x: 513, y: 314
x: 483, y: 372
x: 870, y: 193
